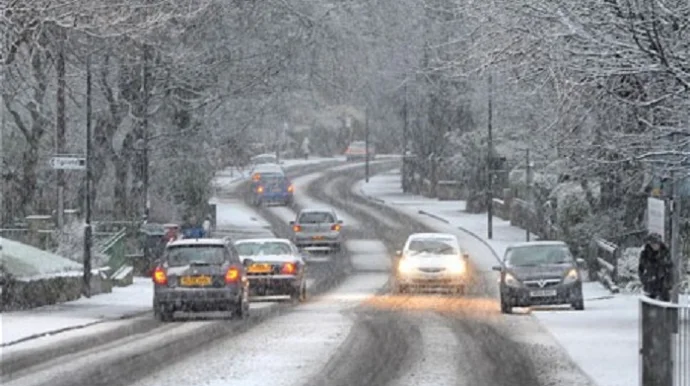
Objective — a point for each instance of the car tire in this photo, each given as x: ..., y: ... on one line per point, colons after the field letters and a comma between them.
x: 241, y: 310
x: 579, y: 305
x: 506, y: 308
x: 163, y: 314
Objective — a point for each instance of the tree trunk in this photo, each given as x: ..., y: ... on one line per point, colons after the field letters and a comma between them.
x: 120, y: 191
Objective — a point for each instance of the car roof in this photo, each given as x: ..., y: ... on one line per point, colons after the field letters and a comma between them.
x: 268, y: 167
x: 265, y: 155
x: 430, y: 235
x: 538, y: 243
x: 266, y: 240
x: 317, y: 210
x: 185, y: 242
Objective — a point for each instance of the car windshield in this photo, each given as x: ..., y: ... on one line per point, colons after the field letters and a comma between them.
x: 432, y: 246
x: 265, y: 248
x: 316, y: 218
x: 195, y: 254
x: 538, y: 255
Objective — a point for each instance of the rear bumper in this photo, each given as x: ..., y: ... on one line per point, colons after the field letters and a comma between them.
x: 281, y: 196
x: 197, y: 299
x: 273, y: 285
x: 522, y: 297
x: 309, y: 242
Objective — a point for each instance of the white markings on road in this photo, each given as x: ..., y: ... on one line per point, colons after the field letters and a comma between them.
x: 369, y: 255
x: 439, y: 363
x: 284, y: 351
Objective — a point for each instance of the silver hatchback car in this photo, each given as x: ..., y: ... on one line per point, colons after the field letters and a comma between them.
x: 200, y: 275
x: 317, y: 231
x: 540, y: 273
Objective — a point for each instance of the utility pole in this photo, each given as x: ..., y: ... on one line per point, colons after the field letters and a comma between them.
x: 60, y: 126
x: 528, y: 185
x: 405, y: 187
x: 489, y: 164
x: 87, y: 205
x: 145, y: 130
x: 675, y: 237
x: 366, y: 143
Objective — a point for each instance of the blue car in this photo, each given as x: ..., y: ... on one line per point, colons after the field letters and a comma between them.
x: 272, y: 188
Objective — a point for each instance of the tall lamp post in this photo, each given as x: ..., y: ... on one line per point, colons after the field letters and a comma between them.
x: 366, y: 143
x: 87, y: 206
x: 489, y: 163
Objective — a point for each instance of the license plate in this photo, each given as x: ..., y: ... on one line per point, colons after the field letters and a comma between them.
x: 542, y: 293
x: 191, y: 281
x: 317, y: 237
x: 259, y: 268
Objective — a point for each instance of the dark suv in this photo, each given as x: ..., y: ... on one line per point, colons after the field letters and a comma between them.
x: 200, y: 275
x: 540, y: 273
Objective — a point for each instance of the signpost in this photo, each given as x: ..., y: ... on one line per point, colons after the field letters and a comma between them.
x: 656, y: 216
x: 68, y: 163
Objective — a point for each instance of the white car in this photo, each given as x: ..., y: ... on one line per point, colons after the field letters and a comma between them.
x: 431, y: 261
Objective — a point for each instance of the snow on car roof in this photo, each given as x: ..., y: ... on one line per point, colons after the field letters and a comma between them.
x: 538, y: 243
x: 267, y: 240
x: 184, y: 242
x: 417, y: 236
x: 317, y: 210
x: 265, y: 167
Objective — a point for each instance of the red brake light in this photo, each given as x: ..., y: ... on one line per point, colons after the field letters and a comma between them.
x: 335, y: 227
x: 232, y: 275
x: 159, y: 276
x: 296, y: 228
x: 291, y: 189
x: 288, y: 269
x: 260, y: 189
x: 256, y: 177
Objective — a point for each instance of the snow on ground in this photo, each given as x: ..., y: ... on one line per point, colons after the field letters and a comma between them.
x: 603, y: 340
x: 234, y: 212
x: 366, y: 255
x: 123, y: 301
x: 26, y: 261
x: 286, y: 350
x: 305, y: 201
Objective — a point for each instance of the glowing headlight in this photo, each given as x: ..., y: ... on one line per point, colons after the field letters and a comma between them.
x: 571, y: 277
x: 456, y: 267
x: 404, y: 266
x: 511, y: 281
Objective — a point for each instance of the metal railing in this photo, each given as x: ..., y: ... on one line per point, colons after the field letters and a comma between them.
x: 664, y: 343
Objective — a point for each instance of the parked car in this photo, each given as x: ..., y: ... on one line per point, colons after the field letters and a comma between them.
x: 357, y: 151
x: 317, y: 231
x: 540, y: 273
x: 431, y: 261
x: 277, y: 268
x: 198, y: 275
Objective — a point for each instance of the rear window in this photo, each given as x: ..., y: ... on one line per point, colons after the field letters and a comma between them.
x: 272, y: 177
x: 182, y: 255
x: 316, y: 218
x: 265, y: 248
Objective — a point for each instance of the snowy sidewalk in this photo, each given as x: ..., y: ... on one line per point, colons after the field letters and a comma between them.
x: 603, y: 340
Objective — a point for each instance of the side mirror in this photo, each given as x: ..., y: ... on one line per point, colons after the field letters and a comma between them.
x: 580, y: 261
x: 247, y: 262
x: 497, y: 268
x: 466, y: 256
x: 291, y: 223
x: 340, y: 222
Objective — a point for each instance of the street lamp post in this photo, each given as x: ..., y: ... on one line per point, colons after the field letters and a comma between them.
x: 87, y: 206
x: 490, y: 194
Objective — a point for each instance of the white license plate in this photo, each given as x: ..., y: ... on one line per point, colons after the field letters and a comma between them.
x: 542, y: 293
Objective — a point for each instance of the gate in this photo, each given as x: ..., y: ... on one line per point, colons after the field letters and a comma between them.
x: 664, y: 343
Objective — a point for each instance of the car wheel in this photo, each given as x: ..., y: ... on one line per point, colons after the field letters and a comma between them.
x: 303, y: 293
x: 578, y: 305
x: 163, y: 314
x: 506, y: 308
x: 241, y: 309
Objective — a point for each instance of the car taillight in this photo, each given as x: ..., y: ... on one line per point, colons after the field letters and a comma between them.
x: 335, y: 227
x: 288, y: 269
x: 232, y: 275
x: 291, y: 189
x: 256, y: 177
x: 159, y: 276
x: 296, y: 228
x: 260, y: 189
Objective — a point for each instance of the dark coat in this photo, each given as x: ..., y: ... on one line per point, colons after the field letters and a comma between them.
x: 656, y: 270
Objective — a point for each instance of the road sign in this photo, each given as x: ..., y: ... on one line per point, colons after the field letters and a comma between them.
x: 68, y: 163
x: 656, y: 216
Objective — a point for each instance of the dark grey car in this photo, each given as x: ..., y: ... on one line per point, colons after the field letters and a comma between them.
x: 540, y: 273
x: 198, y: 275
x: 317, y: 230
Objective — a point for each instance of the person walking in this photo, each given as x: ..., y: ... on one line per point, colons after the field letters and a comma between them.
x: 656, y: 268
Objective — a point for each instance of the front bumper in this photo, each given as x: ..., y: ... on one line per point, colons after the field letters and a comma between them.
x: 431, y: 280
x: 197, y: 299
x: 273, y: 285
x: 553, y: 295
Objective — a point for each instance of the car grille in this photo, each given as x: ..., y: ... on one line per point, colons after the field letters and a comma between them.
x: 432, y: 270
x: 543, y: 283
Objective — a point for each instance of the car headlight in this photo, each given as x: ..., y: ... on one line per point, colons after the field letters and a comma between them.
x: 404, y: 266
x: 456, y: 267
x: 511, y: 281
x: 571, y: 277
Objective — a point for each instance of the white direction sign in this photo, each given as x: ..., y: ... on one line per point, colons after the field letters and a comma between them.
x: 68, y: 163
x: 656, y: 216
